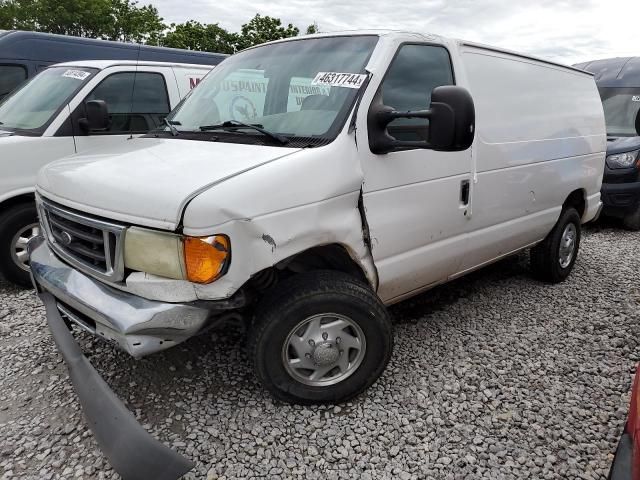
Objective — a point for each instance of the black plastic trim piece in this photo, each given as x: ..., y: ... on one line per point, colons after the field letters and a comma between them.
x: 621, y: 467
x: 131, y: 451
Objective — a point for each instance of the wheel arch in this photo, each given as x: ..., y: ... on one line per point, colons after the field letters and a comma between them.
x: 333, y: 256
x: 17, y: 199
x: 578, y: 200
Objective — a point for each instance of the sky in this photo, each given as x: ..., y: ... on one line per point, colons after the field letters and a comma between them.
x: 567, y: 31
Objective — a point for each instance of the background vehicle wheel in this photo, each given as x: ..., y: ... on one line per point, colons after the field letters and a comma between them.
x: 17, y: 226
x: 552, y: 259
x: 320, y: 337
x: 632, y: 221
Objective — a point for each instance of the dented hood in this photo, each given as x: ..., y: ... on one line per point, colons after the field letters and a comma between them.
x: 148, y: 181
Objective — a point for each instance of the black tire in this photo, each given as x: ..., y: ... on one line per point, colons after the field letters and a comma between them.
x: 301, y: 297
x: 545, y: 257
x: 632, y: 220
x: 11, y: 222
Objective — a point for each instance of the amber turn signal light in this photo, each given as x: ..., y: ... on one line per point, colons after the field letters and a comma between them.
x: 206, y: 258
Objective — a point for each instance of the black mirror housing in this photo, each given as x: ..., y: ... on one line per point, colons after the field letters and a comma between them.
x: 638, y: 123
x: 97, y: 119
x: 451, y: 122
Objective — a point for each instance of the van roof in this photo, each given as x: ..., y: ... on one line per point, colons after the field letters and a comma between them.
x: 427, y: 37
x: 102, y: 64
x: 48, y: 48
x: 614, y: 72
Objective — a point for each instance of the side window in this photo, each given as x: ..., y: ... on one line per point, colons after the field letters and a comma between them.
x: 10, y: 77
x: 414, y: 73
x: 137, y: 102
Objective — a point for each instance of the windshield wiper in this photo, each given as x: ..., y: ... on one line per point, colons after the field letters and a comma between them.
x: 235, y: 124
x: 174, y: 130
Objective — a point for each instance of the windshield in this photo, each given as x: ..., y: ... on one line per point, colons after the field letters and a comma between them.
x: 34, y: 105
x: 300, y: 89
x: 621, y: 107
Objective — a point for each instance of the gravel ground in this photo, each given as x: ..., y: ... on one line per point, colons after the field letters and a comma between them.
x: 494, y: 376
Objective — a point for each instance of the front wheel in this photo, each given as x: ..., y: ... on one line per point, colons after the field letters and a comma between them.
x: 552, y: 259
x: 320, y: 337
x: 18, y: 225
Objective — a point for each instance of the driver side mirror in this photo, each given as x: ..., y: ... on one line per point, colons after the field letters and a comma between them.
x: 638, y: 123
x: 97, y: 119
x: 451, y: 122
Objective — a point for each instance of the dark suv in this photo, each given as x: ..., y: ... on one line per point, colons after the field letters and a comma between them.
x: 618, y: 81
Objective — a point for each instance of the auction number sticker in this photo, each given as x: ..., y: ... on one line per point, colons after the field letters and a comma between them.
x: 335, y: 79
x: 77, y: 74
x: 635, y: 98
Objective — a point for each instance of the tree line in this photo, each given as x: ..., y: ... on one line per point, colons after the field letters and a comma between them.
x: 128, y: 21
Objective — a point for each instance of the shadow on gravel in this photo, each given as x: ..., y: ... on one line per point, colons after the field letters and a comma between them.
x: 443, y: 296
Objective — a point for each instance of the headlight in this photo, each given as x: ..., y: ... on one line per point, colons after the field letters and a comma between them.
x: 622, y: 160
x: 200, y: 260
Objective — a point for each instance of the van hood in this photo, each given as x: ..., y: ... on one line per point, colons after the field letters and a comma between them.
x: 622, y: 144
x: 148, y: 181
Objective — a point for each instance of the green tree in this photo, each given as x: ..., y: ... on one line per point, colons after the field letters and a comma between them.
x: 263, y: 29
x: 108, y: 19
x: 135, y: 23
x: 311, y: 29
x: 194, y: 35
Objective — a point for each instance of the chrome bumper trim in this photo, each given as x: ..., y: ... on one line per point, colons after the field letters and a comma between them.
x: 139, y: 326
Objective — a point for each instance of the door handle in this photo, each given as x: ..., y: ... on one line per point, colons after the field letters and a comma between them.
x: 464, y: 192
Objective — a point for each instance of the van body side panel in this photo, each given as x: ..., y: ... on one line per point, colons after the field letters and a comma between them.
x: 188, y: 78
x: 539, y: 136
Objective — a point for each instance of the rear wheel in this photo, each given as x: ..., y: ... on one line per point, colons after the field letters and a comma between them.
x: 632, y: 220
x: 320, y: 337
x: 18, y: 225
x: 552, y: 259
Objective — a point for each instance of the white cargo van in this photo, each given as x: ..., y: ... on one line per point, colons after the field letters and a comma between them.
x: 303, y: 187
x: 54, y: 115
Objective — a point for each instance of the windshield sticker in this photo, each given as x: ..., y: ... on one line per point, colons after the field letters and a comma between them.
x: 635, y: 98
x: 77, y: 74
x: 334, y: 79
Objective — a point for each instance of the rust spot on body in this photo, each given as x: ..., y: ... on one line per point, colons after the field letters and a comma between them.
x: 269, y: 239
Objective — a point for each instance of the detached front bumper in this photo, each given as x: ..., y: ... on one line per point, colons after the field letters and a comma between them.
x: 131, y: 451
x: 137, y: 325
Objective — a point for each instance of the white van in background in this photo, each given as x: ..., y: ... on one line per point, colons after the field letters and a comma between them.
x: 410, y: 160
x: 51, y: 117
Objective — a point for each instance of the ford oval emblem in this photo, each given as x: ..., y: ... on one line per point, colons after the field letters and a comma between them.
x: 66, y: 238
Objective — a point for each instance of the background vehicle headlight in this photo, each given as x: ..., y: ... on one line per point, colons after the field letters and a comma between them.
x: 197, y: 259
x: 622, y: 160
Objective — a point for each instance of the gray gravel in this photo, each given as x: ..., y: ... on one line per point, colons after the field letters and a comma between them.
x: 493, y: 376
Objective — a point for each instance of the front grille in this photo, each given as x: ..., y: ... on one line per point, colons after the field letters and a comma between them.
x: 91, y: 244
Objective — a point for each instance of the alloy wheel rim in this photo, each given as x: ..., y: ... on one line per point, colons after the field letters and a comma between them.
x: 567, y: 245
x: 19, y: 253
x: 323, y: 349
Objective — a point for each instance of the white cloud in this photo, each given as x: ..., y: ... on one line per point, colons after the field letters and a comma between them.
x: 563, y: 30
